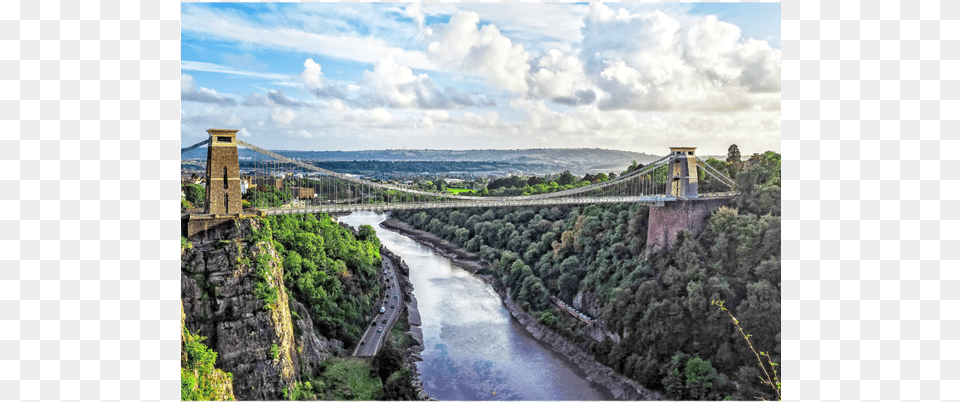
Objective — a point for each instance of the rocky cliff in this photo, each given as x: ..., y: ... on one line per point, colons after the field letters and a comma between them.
x: 232, y: 293
x: 219, y: 383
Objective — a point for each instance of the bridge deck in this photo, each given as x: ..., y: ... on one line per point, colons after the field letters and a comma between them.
x: 649, y: 200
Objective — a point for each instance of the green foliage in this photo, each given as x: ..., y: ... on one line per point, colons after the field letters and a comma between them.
x: 274, y: 351
x: 266, y: 196
x: 348, y: 379
x: 399, y: 387
x: 185, y: 244
x: 387, y: 360
x: 770, y: 377
x: 265, y: 289
x: 197, y: 373
x: 733, y: 154
x: 547, y: 318
x: 700, y: 377
x: 300, y: 391
x: 194, y: 194
x: 658, y: 304
x: 329, y: 270
x: 398, y: 332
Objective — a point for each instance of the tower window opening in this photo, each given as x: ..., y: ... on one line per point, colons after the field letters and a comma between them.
x: 223, y: 139
x: 225, y: 182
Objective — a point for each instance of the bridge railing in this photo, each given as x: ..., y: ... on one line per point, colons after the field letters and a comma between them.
x: 647, y: 184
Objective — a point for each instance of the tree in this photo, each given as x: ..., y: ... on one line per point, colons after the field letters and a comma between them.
x: 387, y: 361
x: 199, y: 380
x: 399, y: 387
x: 700, y: 376
x: 368, y: 233
x: 195, y: 194
x: 733, y: 154
x: 566, y: 178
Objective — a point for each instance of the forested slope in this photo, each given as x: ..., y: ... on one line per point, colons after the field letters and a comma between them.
x: 279, y: 303
x: 657, y: 307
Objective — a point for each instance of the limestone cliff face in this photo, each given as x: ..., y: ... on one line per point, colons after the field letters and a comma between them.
x: 223, y: 287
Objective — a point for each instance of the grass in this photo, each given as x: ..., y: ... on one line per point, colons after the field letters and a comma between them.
x: 401, y: 338
x: 350, y: 379
x: 458, y: 190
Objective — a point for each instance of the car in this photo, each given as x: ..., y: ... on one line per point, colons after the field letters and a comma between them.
x: 382, y: 309
x: 384, y: 321
x: 380, y: 329
x: 363, y: 342
x: 392, y: 306
x: 373, y: 324
x: 394, y: 296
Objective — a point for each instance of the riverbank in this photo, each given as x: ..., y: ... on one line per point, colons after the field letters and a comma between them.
x: 411, y: 355
x: 620, y: 387
x: 458, y: 256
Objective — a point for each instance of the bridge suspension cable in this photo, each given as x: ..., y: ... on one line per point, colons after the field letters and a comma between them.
x: 713, y: 172
x: 194, y: 146
x: 309, y: 188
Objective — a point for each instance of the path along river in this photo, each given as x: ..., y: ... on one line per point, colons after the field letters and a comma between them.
x: 474, y: 350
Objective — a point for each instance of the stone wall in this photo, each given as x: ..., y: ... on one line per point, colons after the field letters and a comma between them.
x: 668, y: 220
x: 223, y: 179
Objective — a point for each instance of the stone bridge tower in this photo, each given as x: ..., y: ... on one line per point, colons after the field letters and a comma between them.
x: 689, y: 212
x: 683, y: 172
x: 223, y: 173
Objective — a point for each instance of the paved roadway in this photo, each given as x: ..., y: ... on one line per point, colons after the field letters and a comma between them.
x: 373, y: 339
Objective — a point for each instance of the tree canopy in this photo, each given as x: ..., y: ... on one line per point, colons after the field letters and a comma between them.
x: 657, y: 303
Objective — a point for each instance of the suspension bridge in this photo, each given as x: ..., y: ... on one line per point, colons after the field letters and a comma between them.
x: 281, y: 185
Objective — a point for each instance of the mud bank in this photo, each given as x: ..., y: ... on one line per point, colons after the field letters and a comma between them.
x: 411, y: 355
x: 621, y: 387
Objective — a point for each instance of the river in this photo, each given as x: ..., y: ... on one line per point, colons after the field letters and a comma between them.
x: 474, y: 349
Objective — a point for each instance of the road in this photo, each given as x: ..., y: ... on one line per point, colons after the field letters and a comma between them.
x: 375, y: 335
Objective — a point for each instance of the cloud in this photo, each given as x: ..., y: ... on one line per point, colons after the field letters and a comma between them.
x: 279, y: 98
x: 394, y: 85
x: 245, y: 61
x: 189, y: 92
x: 216, y: 68
x: 273, y: 98
x: 462, y: 45
x: 278, y: 34
x: 561, y: 77
x: 415, y: 11
x: 486, y: 120
x: 431, y: 117
x: 389, y: 84
x: 665, y: 65
x: 583, y: 97
x: 312, y: 77
x: 257, y: 100
x: 282, y: 116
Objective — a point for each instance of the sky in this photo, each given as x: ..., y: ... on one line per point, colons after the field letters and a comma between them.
x: 362, y: 76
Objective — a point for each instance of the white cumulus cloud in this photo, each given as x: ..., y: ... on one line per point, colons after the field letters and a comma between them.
x: 463, y: 45
x: 282, y: 116
x: 653, y: 62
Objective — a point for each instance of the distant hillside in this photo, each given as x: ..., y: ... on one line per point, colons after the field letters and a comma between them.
x: 539, y: 161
